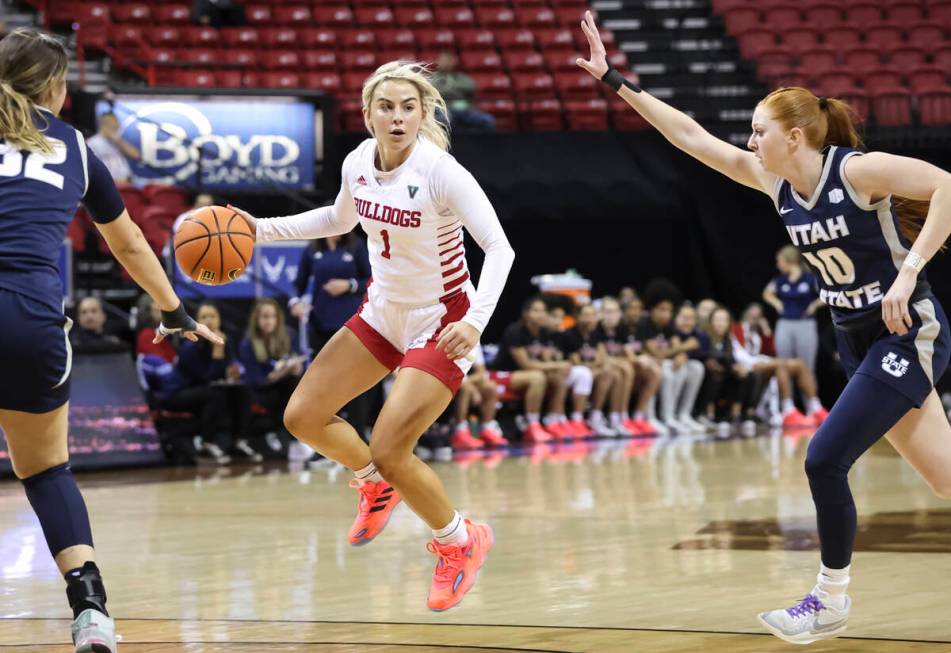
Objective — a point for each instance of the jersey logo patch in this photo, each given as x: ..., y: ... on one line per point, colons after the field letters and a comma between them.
x: 836, y: 195
x: 412, y: 191
x: 783, y: 210
x: 362, y: 181
x: 894, y: 365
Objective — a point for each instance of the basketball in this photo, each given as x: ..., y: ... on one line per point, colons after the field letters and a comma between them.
x: 213, y: 245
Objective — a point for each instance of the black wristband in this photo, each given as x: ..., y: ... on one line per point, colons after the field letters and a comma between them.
x: 178, y: 319
x: 616, y: 80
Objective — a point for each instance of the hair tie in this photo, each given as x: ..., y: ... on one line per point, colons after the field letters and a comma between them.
x: 823, y: 103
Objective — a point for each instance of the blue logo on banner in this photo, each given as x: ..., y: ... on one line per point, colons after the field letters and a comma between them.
x: 234, y: 146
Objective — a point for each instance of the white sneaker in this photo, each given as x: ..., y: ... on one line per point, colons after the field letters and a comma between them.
x: 601, y: 428
x: 94, y: 632
x: 297, y: 451
x: 808, y: 621
x: 724, y: 429
x: 748, y: 428
x: 659, y: 427
x: 273, y: 441
x: 691, y: 423
x: 622, y: 431
x: 706, y: 422
x: 676, y: 426
x: 244, y: 450
x: 211, y: 452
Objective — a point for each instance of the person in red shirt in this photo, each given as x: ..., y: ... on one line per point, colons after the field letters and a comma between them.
x: 149, y: 317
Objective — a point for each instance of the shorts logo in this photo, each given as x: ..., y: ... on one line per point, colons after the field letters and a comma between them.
x: 894, y: 365
x: 836, y: 195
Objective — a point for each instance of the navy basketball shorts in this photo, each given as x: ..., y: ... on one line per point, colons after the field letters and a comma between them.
x: 912, y: 363
x: 35, y: 356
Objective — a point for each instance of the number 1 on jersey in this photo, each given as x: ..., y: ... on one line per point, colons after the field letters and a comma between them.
x: 386, y: 243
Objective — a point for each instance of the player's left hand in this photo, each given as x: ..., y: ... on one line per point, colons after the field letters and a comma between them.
x: 179, y: 321
x: 458, y: 339
x: 895, y: 303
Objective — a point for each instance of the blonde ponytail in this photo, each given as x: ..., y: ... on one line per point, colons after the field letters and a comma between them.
x: 430, y: 97
x: 16, y: 122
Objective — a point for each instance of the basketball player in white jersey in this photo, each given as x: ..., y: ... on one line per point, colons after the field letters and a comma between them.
x: 421, y: 315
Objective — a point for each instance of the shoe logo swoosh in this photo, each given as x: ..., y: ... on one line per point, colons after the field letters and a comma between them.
x: 455, y: 584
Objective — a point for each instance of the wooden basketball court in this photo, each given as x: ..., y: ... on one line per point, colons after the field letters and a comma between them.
x: 668, y: 545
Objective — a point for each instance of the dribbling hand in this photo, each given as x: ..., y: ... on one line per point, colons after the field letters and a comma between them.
x: 250, y: 219
x: 895, y: 303
x: 458, y: 339
x: 597, y: 64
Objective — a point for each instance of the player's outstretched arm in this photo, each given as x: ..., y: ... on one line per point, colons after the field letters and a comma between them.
x: 130, y: 248
x: 676, y: 126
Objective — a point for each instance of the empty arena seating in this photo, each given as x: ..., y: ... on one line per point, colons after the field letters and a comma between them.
x: 890, y: 58
x: 520, y: 53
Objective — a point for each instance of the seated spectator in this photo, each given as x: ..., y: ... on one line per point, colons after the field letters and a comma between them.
x: 656, y: 330
x: 89, y: 334
x: 212, y: 375
x: 149, y: 316
x: 725, y: 380
x: 683, y: 374
x: 458, y: 90
x: 526, y: 355
x: 112, y: 150
x: 794, y: 294
x: 579, y: 384
x: 752, y: 337
x: 583, y: 346
x: 268, y: 353
x: 219, y: 13
x: 478, y: 390
x: 705, y: 308
x: 620, y: 355
x: 646, y: 368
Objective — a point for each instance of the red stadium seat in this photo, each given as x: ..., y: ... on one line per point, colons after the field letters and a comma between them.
x: 352, y: 83
x: 375, y: 17
x: 421, y: 17
x: 542, y: 115
x: 206, y: 37
x: 820, y: 58
x: 228, y: 78
x: 939, y: 12
x: 180, y: 14
x: 351, y: 116
x: 536, y: 17
x: 772, y: 73
x: 587, y: 115
x: 515, y: 39
x: 624, y: 118
x: 293, y: 15
x: 823, y: 14
x: 455, y: 16
x: 864, y: 15
x: 753, y: 42
x: 834, y: 83
x: 927, y: 77
x: 884, y: 35
x: 280, y: 79
x: 279, y: 37
x: 942, y: 57
x: 504, y: 112
x: 843, y: 36
x: 280, y: 60
x: 800, y: 39
x: 328, y: 82
x: 165, y: 36
x: 581, y: 41
x: 475, y: 39
x: 558, y: 38
x: 160, y: 55
x: 402, y: 54
x: 562, y: 60
x: 319, y: 59
x: 194, y: 78
x: 481, y: 61
x: 441, y: 38
x: 892, y: 107
x: 523, y: 61
x: 358, y: 60
x: 334, y: 16
x: 883, y: 78
x: 742, y: 19
x: 493, y: 86
x: 495, y: 17
x: 251, y: 79
x: 128, y: 37
x: 935, y: 106
x: 781, y: 17
x: 905, y: 56
x: 570, y: 16
x: 317, y: 37
x: 241, y: 36
x: 858, y: 99
x: 905, y: 12
x: 776, y: 56
x: 533, y: 86
x: 198, y: 56
x: 862, y: 58
x: 577, y: 86
x: 357, y: 39
x: 925, y: 35
x: 259, y: 14
x: 136, y: 12
x: 134, y: 200
x: 396, y: 38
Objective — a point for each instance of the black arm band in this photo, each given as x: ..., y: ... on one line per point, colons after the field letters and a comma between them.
x: 178, y: 319
x: 616, y: 80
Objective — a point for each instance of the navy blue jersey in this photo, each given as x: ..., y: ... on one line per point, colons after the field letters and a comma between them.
x: 855, y: 249
x: 795, y: 295
x: 39, y: 195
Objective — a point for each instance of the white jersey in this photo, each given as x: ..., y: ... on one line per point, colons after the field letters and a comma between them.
x: 414, y: 217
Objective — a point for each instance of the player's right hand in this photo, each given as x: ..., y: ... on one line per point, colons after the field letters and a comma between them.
x: 597, y: 64
x: 250, y: 219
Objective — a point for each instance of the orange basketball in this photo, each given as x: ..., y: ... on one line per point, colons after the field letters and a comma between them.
x: 213, y: 245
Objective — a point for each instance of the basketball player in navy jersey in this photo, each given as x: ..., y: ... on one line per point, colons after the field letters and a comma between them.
x: 892, y: 335
x: 46, y: 170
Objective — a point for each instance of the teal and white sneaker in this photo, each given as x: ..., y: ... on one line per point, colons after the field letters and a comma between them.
x: 808, y: 621
x: 94, y: 632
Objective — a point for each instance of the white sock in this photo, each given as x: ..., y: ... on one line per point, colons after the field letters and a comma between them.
x: 788, y: 406
x: 532, y: 418
x: 576, y: 416
x: 615, y: 419
x: 639, y: 415
x: 833, y: 583
x: 596, y: 417
x: 454, y: 532
x: 462, y: 426
x: 551, y: 418
x: 491, y: 425
x: 813, y: 405
x: 625, y: 416
x: 368, y: 474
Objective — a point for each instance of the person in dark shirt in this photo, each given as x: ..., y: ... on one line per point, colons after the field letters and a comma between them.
x: 647, y: 371
x: 526, y: 346
x: 89, y: 335
x: 613, y: 334
x: 794, y: 293
x: 725, y: 380
x: 683, y: 371
x: 149, y: 317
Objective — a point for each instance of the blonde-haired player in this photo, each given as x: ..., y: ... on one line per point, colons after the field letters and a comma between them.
x: 421, y: 315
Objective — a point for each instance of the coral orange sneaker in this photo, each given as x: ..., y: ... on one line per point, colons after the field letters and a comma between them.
x: 818, y: 416
x: 579, y: 429
x: 457, y: 566
x: 462, y: 438
x: 377, y: 501
x: 796, y: 420
x: 535, y: 433
x: 493, y: 437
